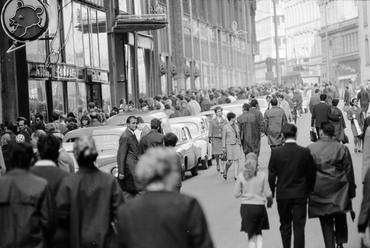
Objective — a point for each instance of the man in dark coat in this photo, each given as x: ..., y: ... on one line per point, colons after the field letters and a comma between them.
x: 315, y: 99
x: 334, y: 188
x: 27, y: 213
x: 364, y: 99
x: 154, y: 138
x: 248, y: 131
x: 127, y: 157
x: 319, y: 114
x: 94, y: 120
x: 259, y: 118
x: 292, y: 174
x: 87, y: 202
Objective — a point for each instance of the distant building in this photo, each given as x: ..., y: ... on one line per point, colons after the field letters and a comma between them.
x: 266, y: 38
x: 363, y: 39
x: 342, y: 24
x: 302, y: 25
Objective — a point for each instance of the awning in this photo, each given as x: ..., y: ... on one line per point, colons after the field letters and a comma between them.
x: 131, y: 23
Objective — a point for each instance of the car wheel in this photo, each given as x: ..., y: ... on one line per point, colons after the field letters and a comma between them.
x: 204, y: 163
x: 194, y: 170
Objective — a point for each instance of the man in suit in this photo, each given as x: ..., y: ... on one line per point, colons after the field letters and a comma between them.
x: 315, y: 99
x: 319, y: 114
x: 292, y: 173
x: 127, y: 157
x: 154, y: 138
x: 260, y: 121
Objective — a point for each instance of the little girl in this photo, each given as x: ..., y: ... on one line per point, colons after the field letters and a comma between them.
x: 253, y: 188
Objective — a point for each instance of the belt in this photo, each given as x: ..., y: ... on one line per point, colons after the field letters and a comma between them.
x: 276, y: 145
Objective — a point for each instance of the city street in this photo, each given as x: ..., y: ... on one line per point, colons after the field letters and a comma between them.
x: 222, y: 209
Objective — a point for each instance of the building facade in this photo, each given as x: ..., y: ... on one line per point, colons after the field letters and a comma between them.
x: 340, y: 43
x: 363, y: 39
x: 303, y: 41
x: 266, y: 39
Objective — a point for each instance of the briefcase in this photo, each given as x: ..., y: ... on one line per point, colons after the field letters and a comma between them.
x: 313, y: 136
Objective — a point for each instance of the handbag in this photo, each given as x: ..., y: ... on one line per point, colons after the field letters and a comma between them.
x: 313, y: 136
x: 346, y: 139
x: 224, y: 156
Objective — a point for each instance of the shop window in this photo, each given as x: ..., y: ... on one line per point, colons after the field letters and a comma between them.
x: 35, y: 51
x: 129, y: 57
x: 94, y: 32
x: 143, y: 67
x: 37, y: 98
x: 68, y: 32
x: 78, y: 35
x: 106, y: 97
x: 77, y: 98
x: 86, y: 34
x: 58, y: 96
x: 123, y: 5
x: 103, y: 40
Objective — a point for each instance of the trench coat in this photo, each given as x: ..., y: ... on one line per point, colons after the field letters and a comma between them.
x: 335, y: 181
x: 335, y: 116
x: 215, y: 133
x: 249, y: 133
x: 275, y: 119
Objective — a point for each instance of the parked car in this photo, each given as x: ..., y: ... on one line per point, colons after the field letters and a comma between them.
x: 120, y: 119
x: 189, y: 149
x: 107, y: 141
x: 199, y: 131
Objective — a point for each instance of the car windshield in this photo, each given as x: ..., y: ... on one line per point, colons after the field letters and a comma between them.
x: 262, y: 103
x: 106, y: 142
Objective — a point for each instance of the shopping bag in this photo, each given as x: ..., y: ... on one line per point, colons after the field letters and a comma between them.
x: 313, y: 136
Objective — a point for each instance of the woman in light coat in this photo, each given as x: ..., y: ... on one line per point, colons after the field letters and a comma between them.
x: 355, y: 113
x: 215, y: 135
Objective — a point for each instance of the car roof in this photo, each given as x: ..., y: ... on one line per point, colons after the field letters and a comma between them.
x: 120, y: 119
x: 186, y: 119
x: 89, y: 131
x: 177, y: 125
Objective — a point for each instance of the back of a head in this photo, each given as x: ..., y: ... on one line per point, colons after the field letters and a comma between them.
x: 327, y: 128
x: 250, y: 168
x: 55, y: 116
x: 246, y: 107
x: 38, y: 133
x: 289, y: 131
x: 254, y: 103
x: 156, y: 164
x: 251, y: 155
x: 85, y: 151
x: 20, y: 155
x: 335, y: 102
x: 323, y: 97
x: 274, y: 102
x: 170, y: 140
x: 48, y: 147
x: 91, y: 105
x: 155, y: 123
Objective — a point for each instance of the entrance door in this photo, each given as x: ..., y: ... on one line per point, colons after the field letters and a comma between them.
x: 94, y: 94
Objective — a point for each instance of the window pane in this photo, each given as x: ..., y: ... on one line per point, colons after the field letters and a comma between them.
x: 36, y: 51
x: 54, y: 31
x: 103, y: 40
x: 37, y: 98
x: 78, y: 35
x: 142, y: 72
x: 122, y: 5
x: 68, y: 32
x: 76, y: 98
x: 57, y: 92
x: 94, y: 38
x: 105, y: 92
x: 86, y: 34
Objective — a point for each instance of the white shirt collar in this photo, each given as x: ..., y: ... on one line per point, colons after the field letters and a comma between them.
x: 45, y: 162
x: 290, y: 141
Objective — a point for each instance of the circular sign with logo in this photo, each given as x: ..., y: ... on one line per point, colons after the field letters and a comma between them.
x: 24, y: 20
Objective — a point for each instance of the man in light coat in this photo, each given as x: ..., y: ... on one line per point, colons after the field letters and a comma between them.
x: 275, y: 119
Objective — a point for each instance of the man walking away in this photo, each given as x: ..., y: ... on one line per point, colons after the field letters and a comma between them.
x: 315, y: 99
x: 27, y: 212
x: 334, y: 188
x: 275, y: 119
x: 154, y: 138
x: 319, y: 114
x: 249, y: 131
x: 170, y: 140
x: 260, y: 121
x: 127, y: 157
x: 363, y: 98
x: 292, y: 174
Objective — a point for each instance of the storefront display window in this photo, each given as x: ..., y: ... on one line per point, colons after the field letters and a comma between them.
x: 143, y: 71
x: 37, y: 98
x: 130, y: 69
x: 86, y: 35
x: 103, y: 40
x: 106, y: 97
x: 77, y: 98
x: 68, y: 32
x: 78, y: 35
x: 94, y: 30
x: 57, y: 93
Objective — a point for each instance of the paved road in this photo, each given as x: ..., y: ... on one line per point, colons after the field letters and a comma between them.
x: 222, y: 209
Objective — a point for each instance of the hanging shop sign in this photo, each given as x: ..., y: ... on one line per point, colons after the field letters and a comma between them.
x: 24, y: 20
x: 64, y: 72
x: 97, y: 76
x: 38, y: 71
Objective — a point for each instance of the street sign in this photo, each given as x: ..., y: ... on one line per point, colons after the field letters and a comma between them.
x: 24, y: 20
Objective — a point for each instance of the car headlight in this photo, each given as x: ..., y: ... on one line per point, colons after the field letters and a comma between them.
x: 114, y: 172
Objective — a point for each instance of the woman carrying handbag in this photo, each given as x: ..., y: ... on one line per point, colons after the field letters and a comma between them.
x: 355, y: 115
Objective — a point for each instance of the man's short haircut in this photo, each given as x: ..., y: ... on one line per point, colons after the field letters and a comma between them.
x: 55, y: 116
x: 323, y: 97
x: 155, y: 123
x: 40, y: 116
x: 230, y: 116
x: 327, y: 128
x: 274, y: 102
x: 91, y: 105
x: 289, y: 130
x: 254, y: 103
x: 48, y: 147
x: 20, y: 155
x: 335, y: 102
x: 246, y: 107
x: 170, y: 139
x: 128, y: 121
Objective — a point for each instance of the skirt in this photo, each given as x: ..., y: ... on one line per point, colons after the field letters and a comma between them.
x: 234, y: 152
x: 254, y: 219
x: 217, y: 146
